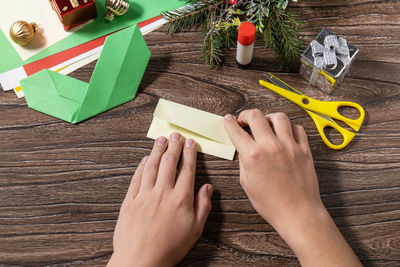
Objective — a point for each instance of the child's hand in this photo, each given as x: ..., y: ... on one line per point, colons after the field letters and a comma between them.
x: 278, y: 175
x: 160, y: 220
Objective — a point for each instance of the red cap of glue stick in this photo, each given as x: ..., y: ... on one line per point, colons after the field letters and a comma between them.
x: 247, y: 33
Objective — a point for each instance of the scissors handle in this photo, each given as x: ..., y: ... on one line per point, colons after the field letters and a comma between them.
x: 330, y: 109
x: 326, y: 108
x: 322, y: 123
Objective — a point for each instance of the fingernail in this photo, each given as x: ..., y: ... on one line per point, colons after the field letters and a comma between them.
x: 175, y: 137
x: 229, y: 117
x: 210, y: 191
x: 144, y: 160
x: 189, y: 143
x: 161, y: 141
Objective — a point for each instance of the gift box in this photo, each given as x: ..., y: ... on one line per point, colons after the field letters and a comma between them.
x: 326, y: 61
x: 74, y: 12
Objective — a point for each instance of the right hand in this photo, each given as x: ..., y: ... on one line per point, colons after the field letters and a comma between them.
x: 276, y: 166
x: 278, y: 175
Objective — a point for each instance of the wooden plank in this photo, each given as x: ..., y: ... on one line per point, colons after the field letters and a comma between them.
x: 61, y: 185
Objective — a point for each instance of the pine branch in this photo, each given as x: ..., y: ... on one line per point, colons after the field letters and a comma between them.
x: 281, y: 34
x: 230, y: 37
x: 212, y: 48
x: 220, y: 15
x: 195, y: 12
x: 185, y: 17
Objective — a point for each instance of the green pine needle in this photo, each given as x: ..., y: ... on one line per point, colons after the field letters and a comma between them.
x: 182, y: 19
x: 281, y: 28
x: 211, y: 51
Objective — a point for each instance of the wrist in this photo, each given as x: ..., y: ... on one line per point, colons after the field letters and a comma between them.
x: 118, y: 260
x: 302, y: 224
x: 316, y: 232
x: 129, y: 260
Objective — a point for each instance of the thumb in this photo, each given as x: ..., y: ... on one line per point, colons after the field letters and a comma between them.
x: 202, y: 204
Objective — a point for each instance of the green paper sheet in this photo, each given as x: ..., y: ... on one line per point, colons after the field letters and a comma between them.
x: 138, y: 11
x: 115, y: 81
x: 9, y: 58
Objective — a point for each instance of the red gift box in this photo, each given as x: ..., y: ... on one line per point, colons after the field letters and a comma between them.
x: 74, y: 12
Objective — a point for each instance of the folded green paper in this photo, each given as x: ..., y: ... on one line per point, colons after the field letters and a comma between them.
x: 115, y: 80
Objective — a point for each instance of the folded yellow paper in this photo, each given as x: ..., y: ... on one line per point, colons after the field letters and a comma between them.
x: 205, y: 128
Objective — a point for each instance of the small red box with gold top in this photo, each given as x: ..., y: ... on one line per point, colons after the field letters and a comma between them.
x: 74, y: 12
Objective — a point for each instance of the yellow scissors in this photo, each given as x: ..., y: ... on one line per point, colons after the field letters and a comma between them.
x: 322, y: 112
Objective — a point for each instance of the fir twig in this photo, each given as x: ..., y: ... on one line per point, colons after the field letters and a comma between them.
x: 281, y: 34
x: 212, y: 48
x: 222, y: 17
x: 185, y: 17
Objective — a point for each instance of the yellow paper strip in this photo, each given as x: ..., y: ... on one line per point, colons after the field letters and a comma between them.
x: 205, y: 128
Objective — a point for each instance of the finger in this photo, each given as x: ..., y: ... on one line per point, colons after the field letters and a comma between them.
x: 239, y: 138
x: 202, y: 204
x: 187, y: 168
x: 150, y: 171
x: 270, y: 124
x: 300, y: 135
x: 136, y: 179
x: 259, y: 126
x: 169, y: 162
x: 282, y: 126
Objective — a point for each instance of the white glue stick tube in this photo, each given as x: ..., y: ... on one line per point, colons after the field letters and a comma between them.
x: 245, y: 44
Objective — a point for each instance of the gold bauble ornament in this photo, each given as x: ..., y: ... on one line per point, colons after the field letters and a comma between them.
x: 116, y: 7
x: 22, y: 32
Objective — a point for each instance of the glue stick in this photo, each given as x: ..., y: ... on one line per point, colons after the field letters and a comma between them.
x: 245, y: 44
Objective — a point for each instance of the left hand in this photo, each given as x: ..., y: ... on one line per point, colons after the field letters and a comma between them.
x: 160, y: 220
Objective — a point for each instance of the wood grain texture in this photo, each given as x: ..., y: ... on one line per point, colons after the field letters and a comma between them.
x: 61, y: 185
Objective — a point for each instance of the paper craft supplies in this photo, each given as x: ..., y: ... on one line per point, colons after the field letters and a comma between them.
x: 115, y: 81
x: 326, y: 61
x: 40, y: 11
x: 68, y: 60
x: 205, y: 128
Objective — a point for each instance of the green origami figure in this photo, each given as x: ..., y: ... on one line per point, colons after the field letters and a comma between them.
x: 115, y: 80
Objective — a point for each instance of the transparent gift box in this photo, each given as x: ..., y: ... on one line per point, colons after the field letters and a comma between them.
x: 326, y: 61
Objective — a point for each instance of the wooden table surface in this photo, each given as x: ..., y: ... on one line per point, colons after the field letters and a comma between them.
x: 61, y: 185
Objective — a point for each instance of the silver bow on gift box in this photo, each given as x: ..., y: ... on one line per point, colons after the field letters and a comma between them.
x: 326, y: 61
x: 326, y: 56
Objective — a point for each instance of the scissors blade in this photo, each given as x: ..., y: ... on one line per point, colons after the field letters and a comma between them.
x: 323, y: 116
x: 277, y: 82
x: 280, y: 83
